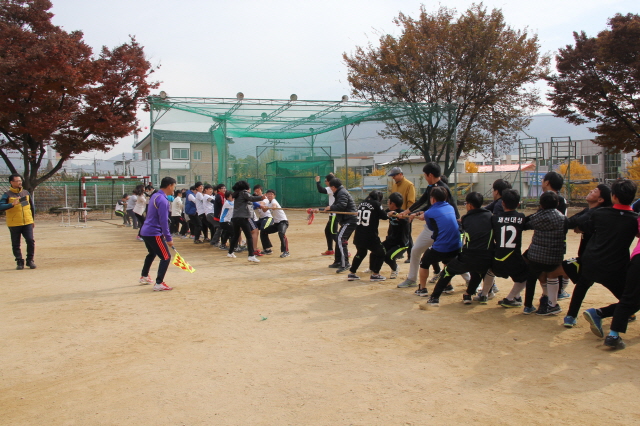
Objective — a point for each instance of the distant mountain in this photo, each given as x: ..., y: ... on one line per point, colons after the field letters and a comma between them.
x: 546, y: 126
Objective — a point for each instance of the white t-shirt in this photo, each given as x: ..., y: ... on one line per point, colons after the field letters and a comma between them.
x: 141, y: 204
x: 176, y: 206
x: 227, y: 211
x: 330, y: 194
x: 207, y: 203
x: 278, y: 215
x: 262, y: 214
x: 131, y: 202
x: 199, y: 205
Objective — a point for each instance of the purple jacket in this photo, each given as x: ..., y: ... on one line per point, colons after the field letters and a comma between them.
x: 157, y: 221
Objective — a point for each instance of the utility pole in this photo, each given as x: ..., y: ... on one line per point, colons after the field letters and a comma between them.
x: 95, y: 168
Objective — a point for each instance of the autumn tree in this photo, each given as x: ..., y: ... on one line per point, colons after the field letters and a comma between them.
x: 55, y: 93
x: 633, y: 171
x: 470, y: 167
x: 477, y: 67
x: 598, y: 82
x: 580, y: 178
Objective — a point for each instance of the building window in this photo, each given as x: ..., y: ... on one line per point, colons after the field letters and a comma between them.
x: 147, y: 155
x: 180, y: 154
x: 590, y: 159
x: 180, y: 180
x: 198, y: 178
x: 197, y: 155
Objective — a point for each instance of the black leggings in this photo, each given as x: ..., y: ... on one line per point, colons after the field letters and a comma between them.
x: 194, y: 225
x: 238, y: 224
x: 376, y: 260
x: 330, y: 230
x: 140, y: 222
x: 630, y: 301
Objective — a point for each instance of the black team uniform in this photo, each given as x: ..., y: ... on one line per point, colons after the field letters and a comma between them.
x: 606, y: 256
x: 579, y: 220
x: 366, y: 238
x: 507, y: 258
x: 397, y: 241
x: 475, y: 257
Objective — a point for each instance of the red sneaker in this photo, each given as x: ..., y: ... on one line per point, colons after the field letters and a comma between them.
x: 258, y: 253
x: 328, y: 253
x: 162, y: 287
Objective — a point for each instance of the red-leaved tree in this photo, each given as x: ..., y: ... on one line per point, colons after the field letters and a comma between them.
x: 55, y: 92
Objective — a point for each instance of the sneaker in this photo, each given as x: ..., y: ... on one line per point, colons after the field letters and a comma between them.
x: 335, y: 265
x: 632, y: 318
x: 328, y: 253
x: 489, y: 296
x: 422, y: 292
x: 146, y: 280
x: 483, y: 299
x: 528, y: 310
x: 352, y: 277
x: 466, y: 299
x: 407, y: 283
x: 20, y: 265
x: 139, y: 238
x: 614, y: 342
x: 407, y: 261
x: 284, y: 254
x: 376, y: 277
x: 258, y: 253
x: 343, y: 269
x: 206, y: 240
x: 231, y: 255
x: 551, y: 310
x: 225, y: 247
x: 506, y: 303
x: 238, y: 250
x: 569, y: 321
x: 268, y: 251
x: 433, y: 302
x: 253, y: 259
x: 435, y: 278
x: 162, y: 287
x: 30, y: 264
x: 197, y: 241
x: 494, y: 289
x: 366, y: 271
x: 563, y: 295
x: 595, y: 322
x: 184, y: 236
x: 448, y: 289
x: 394, y: 274
x: 543, y: 308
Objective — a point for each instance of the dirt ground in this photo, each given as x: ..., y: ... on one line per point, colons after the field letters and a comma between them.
x: 285, y: 342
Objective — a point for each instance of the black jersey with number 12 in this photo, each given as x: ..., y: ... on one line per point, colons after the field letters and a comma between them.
x: 507, y: 234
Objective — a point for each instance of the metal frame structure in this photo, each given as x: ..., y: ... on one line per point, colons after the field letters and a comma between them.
x: 563, y: 149
x: 289, y: 119
x: 529, y: 151
x: 83, y: 189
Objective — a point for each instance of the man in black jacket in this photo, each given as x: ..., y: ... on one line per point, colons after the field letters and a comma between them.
x: 342, y: 203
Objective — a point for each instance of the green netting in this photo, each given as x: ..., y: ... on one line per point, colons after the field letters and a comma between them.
x: 294, y: 182
x: 232, y: 125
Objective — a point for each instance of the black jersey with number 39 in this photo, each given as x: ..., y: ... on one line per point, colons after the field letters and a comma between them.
x: 507, y: 234
x: 369, y: 214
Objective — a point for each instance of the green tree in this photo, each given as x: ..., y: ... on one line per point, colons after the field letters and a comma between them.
x: 54, y: 92
x: 474, y: 64
x: 598, y: 81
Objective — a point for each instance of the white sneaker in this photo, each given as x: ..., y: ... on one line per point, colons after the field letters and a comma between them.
x: 435, y: 278
x: 232, y: 255
x: 146, y: 280
x: 394, y: 274
x: 252, y: 259
x: 366, y: 271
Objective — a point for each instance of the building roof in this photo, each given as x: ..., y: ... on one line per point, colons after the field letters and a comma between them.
x: 175, y: 136
x: 507, y: 167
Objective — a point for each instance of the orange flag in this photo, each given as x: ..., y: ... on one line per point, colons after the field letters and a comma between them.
x: 182, y: 264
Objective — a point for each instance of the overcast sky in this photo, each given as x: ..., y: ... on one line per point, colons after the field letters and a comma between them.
x: 271, y: 49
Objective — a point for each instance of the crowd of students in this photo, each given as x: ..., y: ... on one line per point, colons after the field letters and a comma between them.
x: 483, y: 244
x: 486, y: 243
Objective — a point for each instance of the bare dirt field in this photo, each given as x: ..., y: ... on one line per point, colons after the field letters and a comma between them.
x: 83, y: 344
